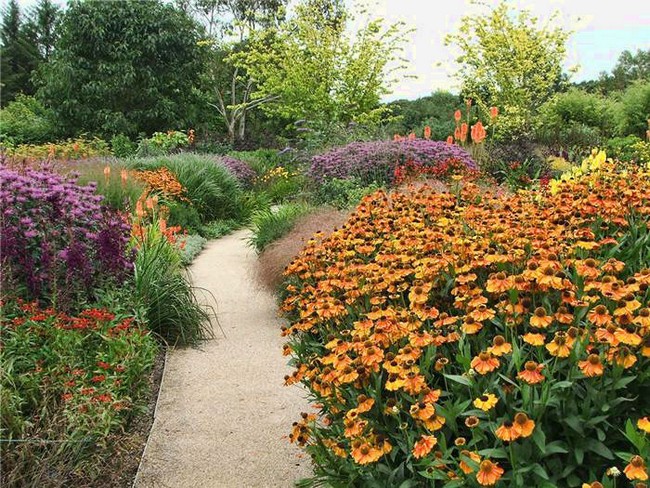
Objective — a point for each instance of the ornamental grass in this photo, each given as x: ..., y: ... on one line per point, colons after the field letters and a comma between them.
x: 471, y: 339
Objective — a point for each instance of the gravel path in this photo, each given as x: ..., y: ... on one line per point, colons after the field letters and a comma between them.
x: 224, y: 414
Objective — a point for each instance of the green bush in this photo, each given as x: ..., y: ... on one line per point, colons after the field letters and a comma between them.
x: 162, y: 143
x: 218, y: 228
x: 633, y: 112
x: 342, y: 193
x: 189, y: 247
x: 263, y: 160
x: 27, y: 121
x: 622, y: 148
x: 122, y: 146
x: 211, y: 189
x: 162, y: 287
x: 271, y: 224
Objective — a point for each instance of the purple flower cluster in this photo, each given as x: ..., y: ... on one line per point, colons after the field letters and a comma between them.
x: 242, y: 172
x: 376, y: 160
x: 58, y: 243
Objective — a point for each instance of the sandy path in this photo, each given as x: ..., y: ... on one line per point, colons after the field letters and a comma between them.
x: 223, y: 410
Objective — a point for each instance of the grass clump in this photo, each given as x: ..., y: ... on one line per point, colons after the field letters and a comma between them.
x: 270, y: 224
x: 162, y: 287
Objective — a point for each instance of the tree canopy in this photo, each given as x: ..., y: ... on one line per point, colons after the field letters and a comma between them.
x: 510, y: 60
x: 123, y: 67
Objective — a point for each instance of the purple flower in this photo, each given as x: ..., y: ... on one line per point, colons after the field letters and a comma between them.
x: 239, y: 169
x: 376, y: 160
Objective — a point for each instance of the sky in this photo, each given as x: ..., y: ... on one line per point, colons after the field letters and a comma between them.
x: 602, y: 30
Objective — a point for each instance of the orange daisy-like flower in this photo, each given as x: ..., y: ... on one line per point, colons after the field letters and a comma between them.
x: 636, y: 469
x: 533, y: 339
x: 595, y: 484
x: 643, y: 317
x: 482, y: 313
x: 466, y: 468
x: 498, y: 283
x: 623, y: 357
x: 485, y: 363
x: 419, y: 294
x: 488, y: 473
x: 486, y: 402
x: 365, y: 453
x: 628, y: 335
x: 540, y: 318
x: 563, y: 315
x: 508, y: 431
x: 525, y: 424
x: 471, y: 326
x: 599, y: 315
x: 644, y: 424
x: 591, y: 366
x: 500, y: 346
x: 531, y: 373
x: 560, y: 346
x: 424, y: 446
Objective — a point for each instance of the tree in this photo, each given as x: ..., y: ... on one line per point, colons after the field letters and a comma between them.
x: 510, y: 61
x: 227, y: 88
x: 311, y: 68
x: 123, y: 67
x: 44, y: 21
x: 18, y: 54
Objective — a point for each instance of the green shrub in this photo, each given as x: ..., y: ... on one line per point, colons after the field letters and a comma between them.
x: 263, y: 160
x: 343, y: 193
x: 122, y: 146
x: 27, y: 121
x: 271, y: 224
x: 189, y: 247
x: 162, y: 287
x: 622, y: 148
x: 211, y: 189
x: 187, y: 216
x: 218, y: 228
x: 633, y: 112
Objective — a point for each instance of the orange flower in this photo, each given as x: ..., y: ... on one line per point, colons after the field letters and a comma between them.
x: 484, y: 363
x: 472, y: 421
x: 486, y: 402
x: 599, y: 315
x: 591, y: 366
x: 365, y: 453
x: 500, y: 346
x: 457, y: 115
x: 498, y: 283
x: 508, y: 431
x: 636, y: 469
x: 488, y: 473
x: 560, y: 346
x: 107, y: 172
x: 644, y: 424
x: 450, y: 139
x: 463, y: 132
x: 531, y: 373
x: 494, y: 111
x: 540, y: 318
x: 427, y: 132
x: 466, y: 468
x: 525, y: 424
x: 533, y: 339
x: 478, y: 132
x: 424, y: 446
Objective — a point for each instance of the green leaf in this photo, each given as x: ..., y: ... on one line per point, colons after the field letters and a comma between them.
x: 555, y: 447
x: 562, y: 384
x: 494, y: 453
x: 575, y: 423
x: 539, y: 438
x: 459, y: 379
x: 600, y: 449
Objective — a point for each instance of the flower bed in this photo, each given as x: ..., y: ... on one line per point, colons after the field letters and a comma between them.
x: 57, y: 241
x: 468, y: 339
x: 68, y: 382
x: 376, y: 161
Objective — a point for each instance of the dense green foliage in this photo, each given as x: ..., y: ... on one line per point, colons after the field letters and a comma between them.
x: 123, y: 67
x: 271, y: 224
x: 436, y: 111
x: 26, y: 121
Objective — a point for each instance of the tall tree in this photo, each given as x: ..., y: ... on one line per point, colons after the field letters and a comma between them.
x: 312, y: 68
x: 511, y: 60
x: 18, y: 54
x: 44, y: 21
x: 123, y: 67
x: 229, y: 23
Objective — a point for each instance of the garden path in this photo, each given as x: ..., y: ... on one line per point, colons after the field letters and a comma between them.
x: 223, y: 413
